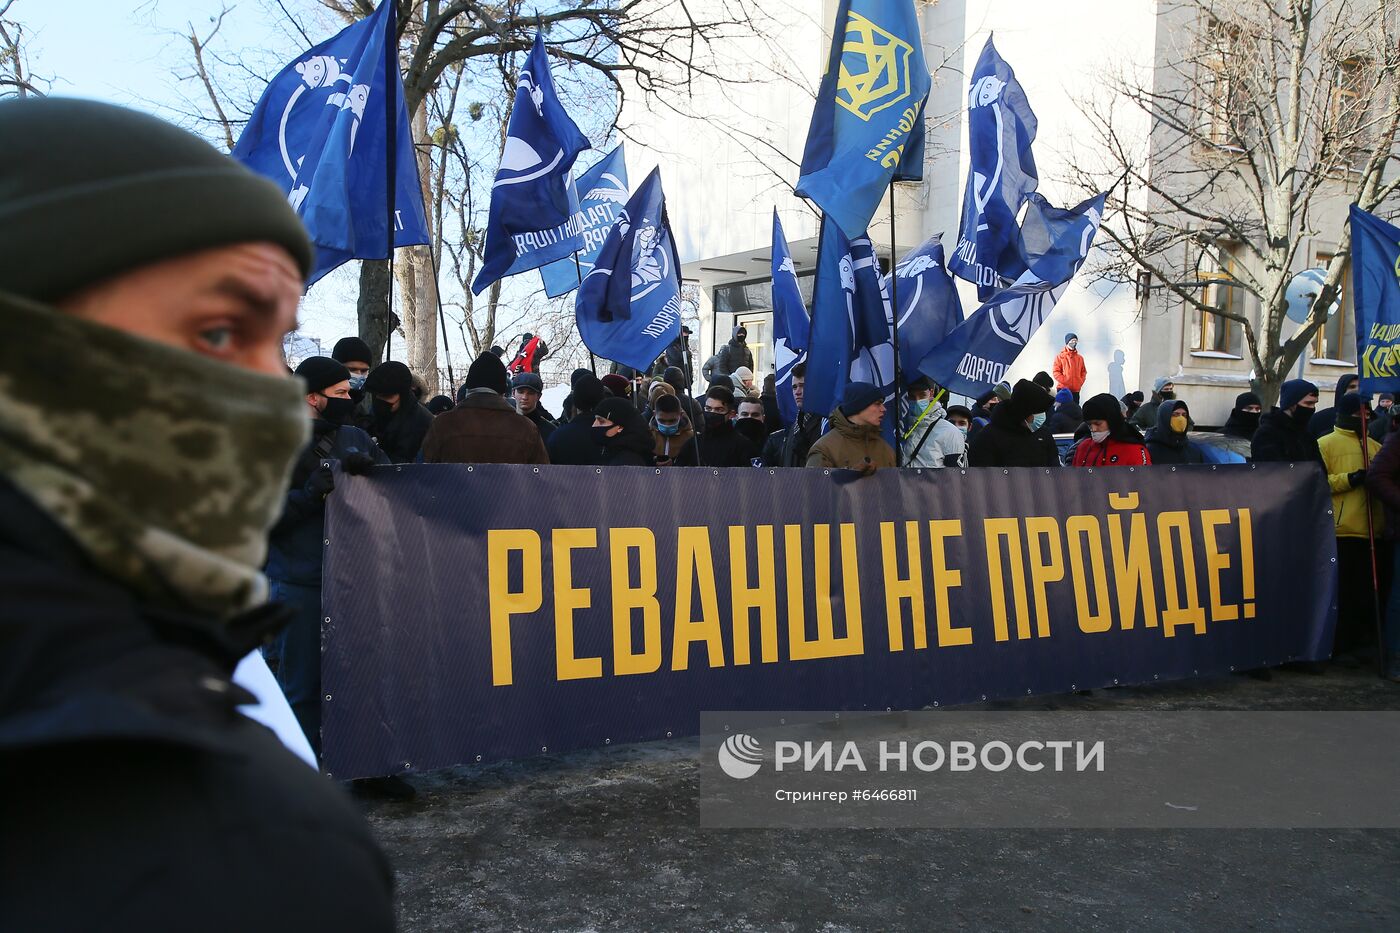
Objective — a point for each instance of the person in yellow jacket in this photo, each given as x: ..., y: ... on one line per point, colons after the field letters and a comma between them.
x: 1346, y: 475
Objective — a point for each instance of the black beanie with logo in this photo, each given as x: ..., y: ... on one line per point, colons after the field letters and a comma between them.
x: 89, y: 191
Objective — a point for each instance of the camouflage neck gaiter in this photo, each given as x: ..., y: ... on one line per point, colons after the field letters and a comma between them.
x: 167, y: 468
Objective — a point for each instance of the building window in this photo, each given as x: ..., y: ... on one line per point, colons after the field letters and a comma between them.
x: 1226, y: 106
x: 1350, y: 102
x: 1211, y: 333
x: 1336, y: 340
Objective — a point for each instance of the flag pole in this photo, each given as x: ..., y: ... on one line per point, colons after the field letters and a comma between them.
x: 1365, y: 439
x: 391, y: 146
x: 592, y: 360
x: 894, y: 316
x: 442, y: 320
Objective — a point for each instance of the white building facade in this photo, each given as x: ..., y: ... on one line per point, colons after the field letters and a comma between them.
x: 727, y: 166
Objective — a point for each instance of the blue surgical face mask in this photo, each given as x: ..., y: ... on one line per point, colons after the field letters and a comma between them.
x: 670, y: 430
x: 919, y: 406
x: 358, y: 382
x: 1037, y: 421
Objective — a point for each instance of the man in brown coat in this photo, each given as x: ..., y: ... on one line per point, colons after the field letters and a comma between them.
x: 854, y: 441
x: 483, y: 428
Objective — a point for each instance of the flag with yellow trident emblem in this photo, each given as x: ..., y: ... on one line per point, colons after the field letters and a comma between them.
x: 867, y: 128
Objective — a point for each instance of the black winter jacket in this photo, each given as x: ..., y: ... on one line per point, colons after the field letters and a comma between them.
x: 722, y: 447
x: 401, y: 434
x: 1168, y: 447
x: 1006, y: 442
x: 572, y: 443
x: 124, y: 763
x: 1325, y: 419
x: 1283, y: 439
x: 790, y: 446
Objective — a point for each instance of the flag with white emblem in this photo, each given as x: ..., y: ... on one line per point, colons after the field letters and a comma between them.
x: 602, y: 193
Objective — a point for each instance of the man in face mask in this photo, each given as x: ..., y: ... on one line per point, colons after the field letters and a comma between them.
x: 133, y: 530
x: 1283, y: 430
x: 721, y: 445
x: 618, y: 429
x: 1111, y: 441
x: 1163, y: 390
x: 353, y: 353
x: 671, y: 433
x: 1244, y: 417
x: 399, y: 422
x: 295, y: 545
x: 1324, y: 419
x: 927, y: 437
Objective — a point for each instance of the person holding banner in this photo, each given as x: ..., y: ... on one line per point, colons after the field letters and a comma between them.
x: 1008, y: 439
x: 135, y: 504
x: 1345, y: 463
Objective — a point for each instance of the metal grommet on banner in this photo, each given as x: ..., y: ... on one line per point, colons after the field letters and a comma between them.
x: 963, y: 472
x: 607, y: 741
x: 537, y: 469
x: 772, y: 472
x: 658, y: 472
x: 1173, y: 469
x: 1212, y: 468
x: 598, y: 470
x: 1005, y: 472
x: 327, y: 542
x: 328, y: 698
x: 478, y: 758
x: 826, y: 472
x: 1334, y: 560
x: 328, y: 620
x: 984, y: 696
x: 1073, y: 687
x: 469, y: 469
x: 1329, y: 511
x: 668, y: 735
x: 408, y: 766
x: 717, y: 472
x: 544, y: 749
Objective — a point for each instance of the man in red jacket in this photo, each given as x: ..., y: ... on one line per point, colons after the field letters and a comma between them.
x: 1111, y: 441
x: 1069, y: 370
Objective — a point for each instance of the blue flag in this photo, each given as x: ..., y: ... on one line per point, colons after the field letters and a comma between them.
x: 868, y: 112
x: 1375, y: 284
x: 791, y: 326
x: 850, y: 338
x: 533, y: 207
x: 321, y: 130
x: 1001, y: 176
x: 604, y: 188
x: 628, y: 308
x: 977, y: 354
x: 929, y: 307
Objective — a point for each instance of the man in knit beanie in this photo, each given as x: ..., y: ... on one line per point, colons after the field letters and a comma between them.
x: 133, y: 531
x: 484, y: 427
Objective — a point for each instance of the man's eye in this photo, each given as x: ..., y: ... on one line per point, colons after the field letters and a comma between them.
x: 217, y: 338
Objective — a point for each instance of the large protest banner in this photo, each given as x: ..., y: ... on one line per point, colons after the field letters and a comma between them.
x: 478, y: 613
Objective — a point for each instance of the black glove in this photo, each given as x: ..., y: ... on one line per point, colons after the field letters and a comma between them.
x: 357, y: 464
x: 320, y: 483
x: 1356, y: 478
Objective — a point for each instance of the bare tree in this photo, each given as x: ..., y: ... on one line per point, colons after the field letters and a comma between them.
x: 1264, y: 119
x: 16, y: 80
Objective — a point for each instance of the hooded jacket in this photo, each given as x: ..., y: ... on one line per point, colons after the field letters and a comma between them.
x: 932, y: 442
x: 673, y: 446
x: 1325, y: 419
x: 730, y: 357
x: 1165, y: 445
x: 572, y: 442
x: 483, y: 428
x: 1341, y: 456
x: 1146, y: 415
x: 847, y: 446
x: 1241, y: 424
x: 400, y: 434
x: 1066, y: 419
x: 1281, y: 438
x: 1069, y: 370
x: 1007, y: 440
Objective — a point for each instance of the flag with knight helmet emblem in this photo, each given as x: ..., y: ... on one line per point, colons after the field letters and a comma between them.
x: 322, y: 131
x: 867, y: 127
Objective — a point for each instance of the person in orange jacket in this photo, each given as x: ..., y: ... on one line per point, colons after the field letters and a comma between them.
x: 1069, y: 370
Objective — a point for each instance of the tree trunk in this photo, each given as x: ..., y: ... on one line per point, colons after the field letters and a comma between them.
x: 413, y: 269
x: 373, y: 306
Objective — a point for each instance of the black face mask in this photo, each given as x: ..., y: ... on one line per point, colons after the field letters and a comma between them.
x: 715, y: 419
x: 382, y: 409
x: 1302, y: 415
x: 1249, y: 420
x: 751, y: 428
x: 1349, y: 423
x: 338, y: 410
x: 600, y: 434
x: 1169, y: 395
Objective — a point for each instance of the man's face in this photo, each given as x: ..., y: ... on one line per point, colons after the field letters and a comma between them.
x: 715, y: 407
x: 872, y: 415
x: 391, y: 400
x: 526, y: 399
x: 798, y: 382
x: 1073, y: 344
x: 357, y: 367
x: 639, y: 385
x: 918, y: 395
x: 751, y: 410
x: 1168, y: 388
x: 1098, y: 426
x: 1385, y: 403
x: 317, y: 400
x: 613, y: 429
x: 668, y: 418
x: 1254, y: 408
x: 233, y: 304
x: 958, y: 421
x: 1353, y: 387
x: 1308, y: 401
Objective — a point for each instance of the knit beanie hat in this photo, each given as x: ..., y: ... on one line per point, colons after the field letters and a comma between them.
x: 488, y: 372
x: 91, y: 190
x: 1247, y: 398
x: 1029, y: 398
x: 439, y: 404
x: 858, y: 397
x: 389, y: 378
x: 578, y: 374
x: 1294, y: 391
x: 351, y: 350
x: 1064, y: 395
x: 320, y: 372
x: 1071, y: 336
x: 1104, y: 407
x: 667, y: 403
x: 1043, y: 380
x: 743, y: 374
x: 588, y: 392
x: 616, y: 384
